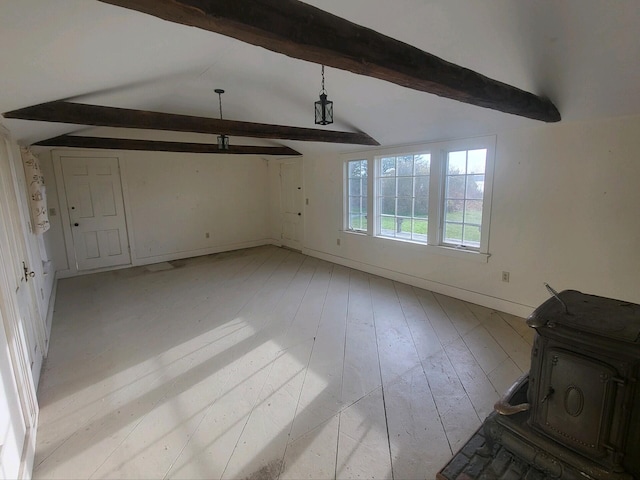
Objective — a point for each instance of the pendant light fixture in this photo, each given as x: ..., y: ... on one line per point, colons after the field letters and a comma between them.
x: 324, y: 107
x: 223, y: 140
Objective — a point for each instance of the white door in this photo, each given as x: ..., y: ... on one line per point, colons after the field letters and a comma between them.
x: 291, y: 204
x: 96, y: 211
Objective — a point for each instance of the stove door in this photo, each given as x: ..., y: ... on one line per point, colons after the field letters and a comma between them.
x: 575, y: 403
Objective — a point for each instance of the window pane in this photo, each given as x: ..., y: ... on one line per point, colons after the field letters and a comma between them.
x: 364, y: 222
x: 354, y: 205
x: 453, y: 210
x: 405, y: 166
x: 423, y: 164
x: 403, y: 225
x: 455, y: 186
x: 420, y: 207
x: 353, y: 169
x: 457, y: 163
x: 405, y: 187
x: 477, y: 161
x: 354, y: 186
x: 475, y: 186
x: 388, y: 206
x: 387, y: 186
x: 404, y: 206
x: 388, y: 166
x: 355, y: 222
x: 388, y: 226
x: 364, y: 187
x: 471, y: 236
x: 422, y: 186
x: 453, y: 233
x: 420, y: 228
x: 473, y: 212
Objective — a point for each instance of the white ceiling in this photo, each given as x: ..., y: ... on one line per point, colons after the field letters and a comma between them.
x: 583, y: 54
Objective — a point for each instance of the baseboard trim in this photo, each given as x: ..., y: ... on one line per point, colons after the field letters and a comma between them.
x: 488, y: 301
x: 442, y: 288
x: 200, y: 252
x: 141, y: 261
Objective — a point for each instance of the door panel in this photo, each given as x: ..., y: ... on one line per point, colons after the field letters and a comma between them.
x: 96, y: 211
x: 291, y: 204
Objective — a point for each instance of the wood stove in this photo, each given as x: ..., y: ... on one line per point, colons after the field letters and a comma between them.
x: 577, y: 414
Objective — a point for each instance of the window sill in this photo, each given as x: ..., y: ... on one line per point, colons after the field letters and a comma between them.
x: 472, y: 255
x: 462, y: 253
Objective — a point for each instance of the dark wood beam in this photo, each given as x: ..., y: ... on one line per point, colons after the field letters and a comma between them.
x: 160, y: 146
x: 97, y: 115
x: 302, y: 31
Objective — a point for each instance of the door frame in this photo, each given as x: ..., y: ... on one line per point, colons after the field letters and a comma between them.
x: 56, y: 156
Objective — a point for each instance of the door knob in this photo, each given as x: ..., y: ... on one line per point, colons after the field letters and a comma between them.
x: 27, y: 273
x: 76, y: 224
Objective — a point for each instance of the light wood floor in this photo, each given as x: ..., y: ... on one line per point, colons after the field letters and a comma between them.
x: 265, y: 363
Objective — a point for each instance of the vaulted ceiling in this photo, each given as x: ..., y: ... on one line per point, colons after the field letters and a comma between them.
x: 582, y: 54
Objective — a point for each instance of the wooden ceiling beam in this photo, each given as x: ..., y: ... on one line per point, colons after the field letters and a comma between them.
x: 161, y: 146
x: 305, y: 32
x: 98, y: 115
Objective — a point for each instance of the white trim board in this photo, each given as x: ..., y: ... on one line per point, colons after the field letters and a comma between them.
x: 444, y: 289
x: 138, y: 262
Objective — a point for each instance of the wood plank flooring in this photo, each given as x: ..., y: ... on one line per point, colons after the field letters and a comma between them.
x: 263, y: 364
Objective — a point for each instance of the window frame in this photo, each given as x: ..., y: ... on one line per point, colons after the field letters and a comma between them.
x: 347, y: 197
x: 435, y: 233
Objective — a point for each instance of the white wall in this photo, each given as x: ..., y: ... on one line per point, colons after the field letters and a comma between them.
x: 565, y: 211
x: 565, y: 206
x: 173, y: 200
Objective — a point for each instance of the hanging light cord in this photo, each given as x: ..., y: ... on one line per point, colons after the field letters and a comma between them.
x: 323, y: 90
x: 219, y: 91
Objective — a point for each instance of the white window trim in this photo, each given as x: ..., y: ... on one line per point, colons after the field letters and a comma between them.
x: 345, y: 196
x: 438, y: 151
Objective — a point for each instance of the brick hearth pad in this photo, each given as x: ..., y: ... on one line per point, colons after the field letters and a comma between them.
x: 467, y: 464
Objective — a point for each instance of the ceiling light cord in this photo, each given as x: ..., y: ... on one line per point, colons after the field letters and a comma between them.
x: 219, y: 92
x: 323, y: 90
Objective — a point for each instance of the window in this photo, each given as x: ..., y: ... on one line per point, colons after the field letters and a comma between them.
x: 357, y: 185
x: 438, y: 194
x: 463, y: 195
x: 403, y: 196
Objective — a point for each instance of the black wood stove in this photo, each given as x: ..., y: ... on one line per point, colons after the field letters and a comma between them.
x: 576, y: 415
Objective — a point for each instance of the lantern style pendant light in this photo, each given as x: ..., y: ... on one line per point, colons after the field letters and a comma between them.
x: 223, y: 140
x: 324, y: 107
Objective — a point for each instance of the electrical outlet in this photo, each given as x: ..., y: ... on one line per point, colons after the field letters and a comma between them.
x: 505, y: 277
x: 338, y: 241
x: 206, y: 235
x: 52, y: 212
